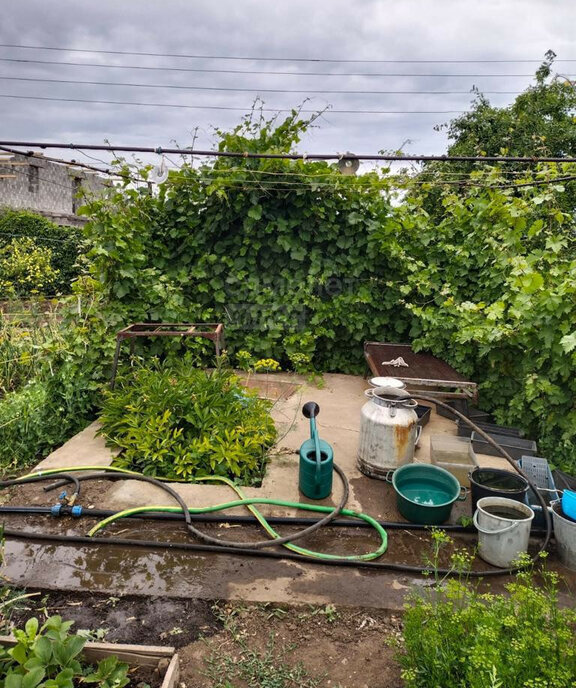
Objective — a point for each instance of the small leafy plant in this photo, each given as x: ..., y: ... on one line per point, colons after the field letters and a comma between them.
x: 180, y: 422
x: 456, y: 636
x: 245, y: 360
x: 267, y: 365
x: 48, y: 657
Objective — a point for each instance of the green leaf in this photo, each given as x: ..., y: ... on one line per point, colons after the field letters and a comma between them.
x: 19, y: 654
x: 13, y: 681
x: 255, y: 212
x: 33, y: 678
x: 43, y: 649
x: 568, y: 342
x: 31, y: 628
x: 532, y: 282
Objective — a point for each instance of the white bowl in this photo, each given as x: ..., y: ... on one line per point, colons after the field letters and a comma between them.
x: 387, y: 382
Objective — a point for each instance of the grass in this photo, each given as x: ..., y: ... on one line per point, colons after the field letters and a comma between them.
x: 27, y: 333
x: 233, y: 663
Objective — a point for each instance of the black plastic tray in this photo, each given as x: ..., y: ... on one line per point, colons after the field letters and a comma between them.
x: 465, y: 430
x: 423, y: 413
x: 469, y: 411
x: 515, y: 446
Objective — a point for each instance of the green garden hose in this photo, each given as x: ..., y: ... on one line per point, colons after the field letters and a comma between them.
x: 243, y: 501
x: 275, y: 502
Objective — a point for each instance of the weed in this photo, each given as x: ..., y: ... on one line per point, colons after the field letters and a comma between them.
x: 456, y: 636
x: 328, y: 612
x: 262, y: 669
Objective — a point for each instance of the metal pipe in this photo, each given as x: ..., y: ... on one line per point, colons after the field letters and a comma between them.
x: 289, y: 156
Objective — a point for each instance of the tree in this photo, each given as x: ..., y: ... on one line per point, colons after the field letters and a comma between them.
x: 540, y: 122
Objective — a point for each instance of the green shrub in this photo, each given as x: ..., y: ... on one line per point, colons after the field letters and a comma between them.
x: 179, y: 422
x: 65, y: 245
x: 25, y: 269
x: 24, y: 345
x: 22, y: 423
x: 289, y: 268
x: 460, y: 638
x: 489, y: 281
x: 66, y: 373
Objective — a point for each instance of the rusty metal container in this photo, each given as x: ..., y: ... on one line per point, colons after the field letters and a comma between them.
x: 388, y: 426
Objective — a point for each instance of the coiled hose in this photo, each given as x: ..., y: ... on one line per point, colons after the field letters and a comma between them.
x: 257, y: 549
x: 112, y: 473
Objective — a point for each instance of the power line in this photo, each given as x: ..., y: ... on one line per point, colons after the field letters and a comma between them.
x: 265, y: 59
x: 311, y: 186
x: 227, y: 107
x: 245, y: 90
x: 261, y: 72
x: 289, y: 156
x: 67, y: 163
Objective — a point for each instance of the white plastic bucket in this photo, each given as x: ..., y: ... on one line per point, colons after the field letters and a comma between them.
x: 501, y: 540
x: 565, y: 535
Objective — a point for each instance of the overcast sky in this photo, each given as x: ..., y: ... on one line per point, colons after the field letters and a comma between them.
x: 323, y: 29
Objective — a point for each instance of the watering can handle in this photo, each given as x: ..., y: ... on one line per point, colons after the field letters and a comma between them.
x: 492, y: 532
x: 311, y: 410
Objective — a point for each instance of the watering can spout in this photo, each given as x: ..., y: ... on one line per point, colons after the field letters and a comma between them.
x: 316, y: 459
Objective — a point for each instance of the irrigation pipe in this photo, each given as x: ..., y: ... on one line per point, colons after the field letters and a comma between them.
x: 231, y: 519
x: 262, y: 553
x: 111, y: 473
x: 257, y: 549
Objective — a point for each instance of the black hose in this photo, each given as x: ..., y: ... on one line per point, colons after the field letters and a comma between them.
x: 243, y: 551
x: 187, y: 516
x: 240, y: 520
x: 64, y: 478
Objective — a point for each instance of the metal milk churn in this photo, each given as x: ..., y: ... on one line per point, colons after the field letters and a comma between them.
x: 388, y: 428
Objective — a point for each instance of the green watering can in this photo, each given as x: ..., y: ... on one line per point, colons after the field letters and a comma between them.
x: 316, y: 459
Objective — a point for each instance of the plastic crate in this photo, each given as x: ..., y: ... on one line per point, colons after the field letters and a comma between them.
x: 538, y: 470
x: 454, y: 454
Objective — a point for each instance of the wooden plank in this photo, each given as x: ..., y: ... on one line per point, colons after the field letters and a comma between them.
x: 132, y: 658
x: 134, y: 655
x: 151, y: 650
x: 172, y: 675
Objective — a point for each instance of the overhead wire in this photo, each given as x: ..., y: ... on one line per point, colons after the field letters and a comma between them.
x: 244, y: 90
x: 227, y: 107
x: 441, y: 178
x: 204, y: 70
x: 67, y: 163
x: 261, y: 58
x: 389, y: 157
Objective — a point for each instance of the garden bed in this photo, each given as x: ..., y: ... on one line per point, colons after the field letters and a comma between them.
x: 159, y: 667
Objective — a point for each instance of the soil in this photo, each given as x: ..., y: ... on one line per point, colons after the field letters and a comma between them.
x: 130, y: 619
x: 238, y: 644
x: 144, y: 676
x: 342, y: 648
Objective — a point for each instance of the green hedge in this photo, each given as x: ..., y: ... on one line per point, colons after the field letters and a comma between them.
x: 65, y: 243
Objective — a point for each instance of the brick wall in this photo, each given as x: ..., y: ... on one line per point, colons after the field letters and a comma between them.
x: 46, y: 187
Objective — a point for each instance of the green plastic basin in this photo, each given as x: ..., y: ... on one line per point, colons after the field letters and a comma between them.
x: 425, y: 493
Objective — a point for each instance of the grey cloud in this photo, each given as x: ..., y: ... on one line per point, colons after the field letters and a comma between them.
x: 337, y: 29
